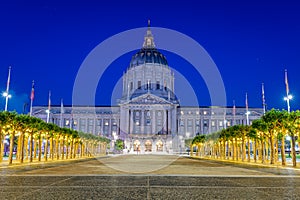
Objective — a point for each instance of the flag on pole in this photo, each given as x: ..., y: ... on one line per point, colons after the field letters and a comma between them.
x: 286, y: 83
x: 49, y: 101
x: 233, y: 112
x: 32, y: 92
x: 61, y: 112
x: 247, y: 110
x: 62, y: 106
x: 49, y: 106
x: 246, y: 102
x: 8, y: 79
x: 263, y: 98
x: 31, y: 98
x: 7, y: 95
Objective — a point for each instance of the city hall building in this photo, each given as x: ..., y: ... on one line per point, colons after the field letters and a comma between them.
x: 148, y: 117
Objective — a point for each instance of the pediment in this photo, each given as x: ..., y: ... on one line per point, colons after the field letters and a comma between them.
x: 148, y: 99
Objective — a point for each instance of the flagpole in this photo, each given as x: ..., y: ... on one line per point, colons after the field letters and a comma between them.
x: 233, y: 110
x: 31, y: 98
x: 6, y: 93
x: 225, y: 121
x: 263, y: 98
x: 247, y: 110
x: 288, y: 96
x: 49, y: 104
x: 61, y: 112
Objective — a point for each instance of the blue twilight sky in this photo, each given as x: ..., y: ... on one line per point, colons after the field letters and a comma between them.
x: 250, y: 41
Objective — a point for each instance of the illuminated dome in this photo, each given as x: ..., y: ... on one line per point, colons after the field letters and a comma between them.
x: 148, y: 54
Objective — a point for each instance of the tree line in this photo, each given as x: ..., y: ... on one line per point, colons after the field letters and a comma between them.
x: 263, y: 141
x: 31, y: 138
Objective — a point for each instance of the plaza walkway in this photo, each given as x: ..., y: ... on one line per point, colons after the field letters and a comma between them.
x: 148, y: 177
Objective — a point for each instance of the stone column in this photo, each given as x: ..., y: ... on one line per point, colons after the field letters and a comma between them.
x: 165, y: 114
x: 129, y: 121
x: 109, y: 127
x: 169, y: 121
x: 153, y: 122
x: 142, y: 125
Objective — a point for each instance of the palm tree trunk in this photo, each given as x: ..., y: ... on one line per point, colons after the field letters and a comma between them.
x: 63, y: 148
x: 57, y: 147
x: 46, y: 149
x: 243, y: 149
x: 272, y: 150
x: 249, y: 149
x: 34, y: 150
x: 26, y: 148
x: 262, y: 151
x: 276, y: 150
x: 31, y: 146
x: 71, y: 149
x: 11, y: 148
x: 255, y: 150
x: 40, y: 148
x: 283, y: 158
x: 51, y: 148
x: 18, y: 148
x: 22, y: 137
x: 266, y: 151
x: 1, y: 146
x: 224, y: 149
x: 67, y: 148
x: 293, y: 150
x: 81, y: 149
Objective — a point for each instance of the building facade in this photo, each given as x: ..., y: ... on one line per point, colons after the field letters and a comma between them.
x: 148, y: 117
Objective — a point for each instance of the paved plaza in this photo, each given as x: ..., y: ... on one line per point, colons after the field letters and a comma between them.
x: 148, y: 177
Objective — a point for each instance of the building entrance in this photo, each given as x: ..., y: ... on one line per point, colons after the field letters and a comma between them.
x: 159, y: 146
x: 148, y: 146
x: 137, y: 145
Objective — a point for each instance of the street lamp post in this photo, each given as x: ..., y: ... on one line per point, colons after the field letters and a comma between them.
x: 7, y: 96
x: 6, y: 93
x: 247, y: 117
x: 287, y: 99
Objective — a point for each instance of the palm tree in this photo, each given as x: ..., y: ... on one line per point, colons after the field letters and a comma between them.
x: 291, y: 123
x: 198, y: 141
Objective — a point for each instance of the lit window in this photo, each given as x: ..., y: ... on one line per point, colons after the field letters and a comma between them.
x: 204, y: 112
x: 181, y: 123
x: 197, y: 112
x: 228, y: 123
x: 213, y: 123
x: 220, y: 123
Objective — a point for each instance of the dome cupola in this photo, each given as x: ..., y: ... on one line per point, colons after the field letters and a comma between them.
x: 148, y: 53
